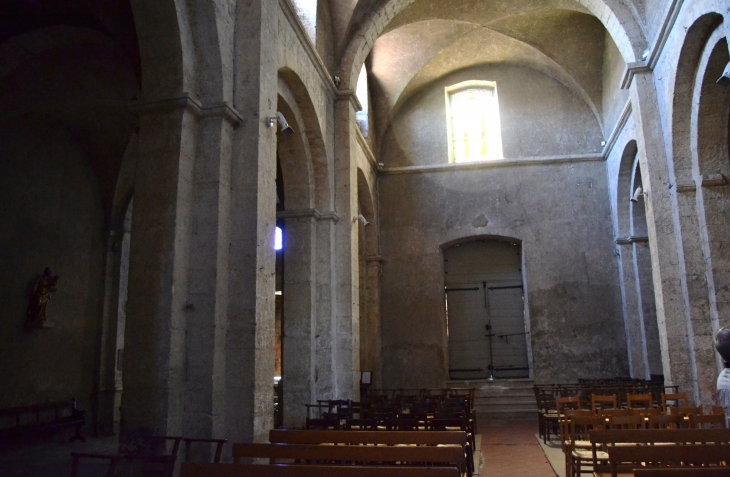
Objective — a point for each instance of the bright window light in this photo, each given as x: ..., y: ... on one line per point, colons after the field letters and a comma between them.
x: 278, y: 239
x: 475, y: 131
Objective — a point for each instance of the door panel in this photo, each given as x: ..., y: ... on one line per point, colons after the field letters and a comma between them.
x: 494, y: 269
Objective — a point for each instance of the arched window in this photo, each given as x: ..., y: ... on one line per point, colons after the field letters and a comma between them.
x: 475, y: 131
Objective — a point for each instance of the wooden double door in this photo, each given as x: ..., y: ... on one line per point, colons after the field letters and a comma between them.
x: 485, y: 311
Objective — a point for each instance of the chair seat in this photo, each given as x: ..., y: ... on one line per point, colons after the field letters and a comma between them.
x: 580, y: 444
x: 588, y: 454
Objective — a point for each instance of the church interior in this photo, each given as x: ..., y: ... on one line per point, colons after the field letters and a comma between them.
x: 285, y: 202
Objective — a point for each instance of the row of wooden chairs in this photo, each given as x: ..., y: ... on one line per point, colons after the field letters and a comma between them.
x: 695, y: 450
x: 578, y: 427
x: 546, y: 395
x: 635, y: 404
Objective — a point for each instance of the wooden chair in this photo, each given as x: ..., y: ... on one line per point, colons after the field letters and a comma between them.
x: 600, y: 402
x: 189, y: 469
x: 639, y: 401
x: 676, y: 397
x: 708, y: 421
x: 189, y: 441
x: 579, y: 458
x: 564, y: 403
x: 565, y: 423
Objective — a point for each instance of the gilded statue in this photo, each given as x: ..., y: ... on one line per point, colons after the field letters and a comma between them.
x: 44, y: 285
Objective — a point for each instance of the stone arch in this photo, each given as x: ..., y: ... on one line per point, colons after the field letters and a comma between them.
x: 635, y: 342
x: 112, y: 326
x: 689, y: 57
x: 310, y: 125
x: 711, y: 169
x: 166, y: 53
x: 644, y: 280
x: 625, y: 192
x: 614, y: 14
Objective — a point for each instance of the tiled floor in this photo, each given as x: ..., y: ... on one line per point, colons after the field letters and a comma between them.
x: 509, y: 449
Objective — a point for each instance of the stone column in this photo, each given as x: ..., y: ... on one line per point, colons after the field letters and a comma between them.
x: 154, y: 354
x: 347, y: 324
x: 672, y: 316
x: 324, y: 338
x: 298, y: 320
x: 249, y: 411
x: 207, y: 301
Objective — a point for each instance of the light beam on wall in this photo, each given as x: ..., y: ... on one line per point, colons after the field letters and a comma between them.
x: 278, y: 239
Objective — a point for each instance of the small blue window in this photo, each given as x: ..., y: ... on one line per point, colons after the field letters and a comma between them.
x: 278, y: 239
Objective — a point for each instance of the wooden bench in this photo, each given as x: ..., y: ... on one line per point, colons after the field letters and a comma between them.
x: 391, y: 438
x: 700, y: 455
x: 452, y: 456
x: 684, y: 472
x: 253, y: 470
x: 42, y: 419
x: 422, y: 438
x: 648, y: 437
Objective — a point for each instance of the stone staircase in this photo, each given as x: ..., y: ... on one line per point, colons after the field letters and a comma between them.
x: 502, y: 399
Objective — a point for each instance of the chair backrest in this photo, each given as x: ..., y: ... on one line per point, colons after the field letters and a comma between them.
x: 664, y: 421
x: 638, y: 401
x: 668, y: 399
x: 709, y: 421
x: 190, y: 469
x: 685, y: 411
x: 601, y: 402
x: 625, y: 422
x: 579, y: 427
x: 563, y: 403
x: 615, y: 412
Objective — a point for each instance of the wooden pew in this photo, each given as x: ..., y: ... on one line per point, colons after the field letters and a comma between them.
x: 423, y: 438
x: 252, y: 470
x: 671, y: 455
x: 392, y: 438
x: 654, y: 436
x: 684, y: 472
x: 415, y: 455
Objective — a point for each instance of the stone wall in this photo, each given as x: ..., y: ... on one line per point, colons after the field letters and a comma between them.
x: 55, y: 220
x: 560, y: 213
x: 539, y: 116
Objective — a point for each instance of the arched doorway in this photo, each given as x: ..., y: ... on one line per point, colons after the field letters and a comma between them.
x: 485, y: 310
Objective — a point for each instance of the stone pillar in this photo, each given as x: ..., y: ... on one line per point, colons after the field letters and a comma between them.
x: 647, y: 306
x: 347, y: 325
x: 154, y: 354
x: 672, y: 317
x: 298, y: 321
x: 324, y: 338
x: 207, y: 301
x: 251, y: 310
